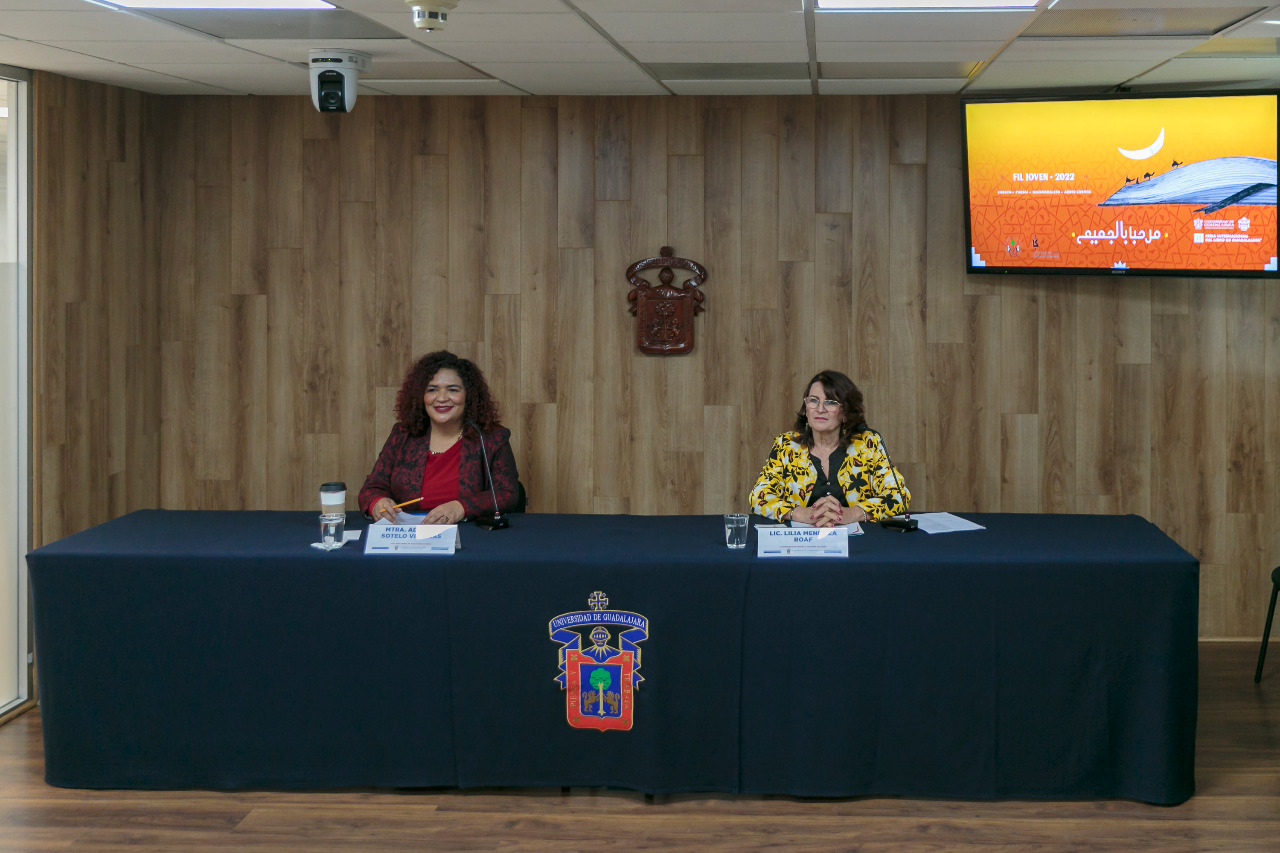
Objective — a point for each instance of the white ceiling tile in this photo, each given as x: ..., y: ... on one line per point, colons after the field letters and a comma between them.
x: 1147, y: 49
x: 533, y: 51
x: 402, y: 24
x: 1004, y: 74
x: 465, y: 7
x: 544, y: 46
x: 496, y: 27
x: 151, y: 81
x: 143, y: 53
x: 167, y: 86
x: 907, y: 51
x: 574, y: 78
x: 44, y: 6
x: 890, y: 87
x: 292, y: 50
x: 445, y: 87
x: 895, y: 70
x: 756, y: 51
x: 704, y: 26
x: 581, y: 72
x: 1151, y: 4
x: 1215, y: 69
x: 1259, y: 29
x: 933, y: 26
x: 272, y: 78
x: 739, y: 87
x: 95, y: 24
x: 595, y: 7
x: 579, y: 87
x: 423, y: 71
x: 42, y: 57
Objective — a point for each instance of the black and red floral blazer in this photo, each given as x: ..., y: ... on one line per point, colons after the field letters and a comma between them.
x: 398, y: 472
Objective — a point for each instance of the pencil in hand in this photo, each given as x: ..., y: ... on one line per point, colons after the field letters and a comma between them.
x: 390, y: 514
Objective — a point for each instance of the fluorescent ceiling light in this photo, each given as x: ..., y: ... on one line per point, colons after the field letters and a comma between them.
x: 223, y: 4
x: 4, y: 112
x: 920, y: 5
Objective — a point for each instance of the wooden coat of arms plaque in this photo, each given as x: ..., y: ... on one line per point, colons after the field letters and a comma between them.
x: 664, y: 314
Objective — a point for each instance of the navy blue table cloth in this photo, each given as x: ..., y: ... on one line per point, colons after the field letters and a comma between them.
x: 1046, y: 656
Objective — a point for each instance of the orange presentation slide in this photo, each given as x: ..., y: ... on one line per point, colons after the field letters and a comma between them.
x: 1139, y: 184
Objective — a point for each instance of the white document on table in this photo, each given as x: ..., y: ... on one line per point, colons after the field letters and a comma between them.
x: 403, y: 517
x: 944, y: 522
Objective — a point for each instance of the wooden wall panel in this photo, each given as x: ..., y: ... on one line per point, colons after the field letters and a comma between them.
x: 228, y: 292
x: 95, y: 350
x: 760, y: 199
x: 614, y: 343
x: 869, y: 261
x: 796, y: 185
x: 720, y: 329
x: 648, y: 188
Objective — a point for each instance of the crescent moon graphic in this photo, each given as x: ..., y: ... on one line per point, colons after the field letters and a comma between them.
x: 1144, y: 153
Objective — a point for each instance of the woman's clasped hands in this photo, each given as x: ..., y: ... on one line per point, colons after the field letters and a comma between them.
x: 828, y: 512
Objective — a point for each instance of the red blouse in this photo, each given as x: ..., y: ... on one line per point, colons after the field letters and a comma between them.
x: 402, y: 461
x: 440, y: 478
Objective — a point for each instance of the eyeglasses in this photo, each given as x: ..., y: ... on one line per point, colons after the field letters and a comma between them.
x: 815, y: 403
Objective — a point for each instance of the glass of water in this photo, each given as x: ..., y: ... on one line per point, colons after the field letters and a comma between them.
x: 735, y: 530
x: 333, y: 529
x: 333, y: 516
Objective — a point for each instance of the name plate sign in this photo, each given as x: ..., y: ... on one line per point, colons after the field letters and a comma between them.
x: 804, y: 541
x: 412, y: 539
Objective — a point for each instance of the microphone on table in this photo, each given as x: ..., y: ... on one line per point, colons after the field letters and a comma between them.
x: 498, y: 521
x: 892, y: 522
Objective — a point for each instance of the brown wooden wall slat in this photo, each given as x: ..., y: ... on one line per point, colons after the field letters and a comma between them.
x: 229, y: 290
x: 95, y: 342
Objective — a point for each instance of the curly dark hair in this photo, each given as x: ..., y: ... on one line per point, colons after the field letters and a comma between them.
x: 837, y: 387
x: 411, y: 411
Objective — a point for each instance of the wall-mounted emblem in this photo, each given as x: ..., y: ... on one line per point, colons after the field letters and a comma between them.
x: 599, y: 676
x: 664, y: 314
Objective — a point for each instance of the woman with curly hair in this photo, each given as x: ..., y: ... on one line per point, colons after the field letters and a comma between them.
x: 829, y: 468
x: 434, y: 452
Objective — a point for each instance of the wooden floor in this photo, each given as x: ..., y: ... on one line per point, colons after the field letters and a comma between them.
x: 1237, y: 806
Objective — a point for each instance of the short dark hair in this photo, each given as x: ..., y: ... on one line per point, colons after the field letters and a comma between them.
x: 411, y: 411
x: 840, y: 388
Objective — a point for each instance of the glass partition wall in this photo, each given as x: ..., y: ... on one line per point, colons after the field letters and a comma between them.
x: 15, y: 490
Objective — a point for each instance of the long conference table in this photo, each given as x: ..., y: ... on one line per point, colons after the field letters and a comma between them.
x: 1047, y: 656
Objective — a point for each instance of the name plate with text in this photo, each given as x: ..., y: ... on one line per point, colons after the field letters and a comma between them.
x: 411, y: 539
x: 804, y: 541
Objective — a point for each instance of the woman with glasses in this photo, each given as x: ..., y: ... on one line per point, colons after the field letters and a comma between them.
x: 829, y: 469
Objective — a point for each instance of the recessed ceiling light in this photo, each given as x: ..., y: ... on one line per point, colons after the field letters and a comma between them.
x: 922, y: 5
x: 4, y: 112
x: 223, y: 4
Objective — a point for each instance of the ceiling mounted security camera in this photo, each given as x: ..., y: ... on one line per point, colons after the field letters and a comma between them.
x: 431, y: 15
x: 335, y: 74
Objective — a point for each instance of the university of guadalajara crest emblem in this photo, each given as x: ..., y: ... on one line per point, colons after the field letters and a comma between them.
x: 599, y: 679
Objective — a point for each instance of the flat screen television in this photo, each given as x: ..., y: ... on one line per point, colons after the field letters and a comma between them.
x: 1182, y: 185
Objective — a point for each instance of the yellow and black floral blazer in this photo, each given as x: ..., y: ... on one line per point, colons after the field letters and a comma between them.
x: 789, y: 475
